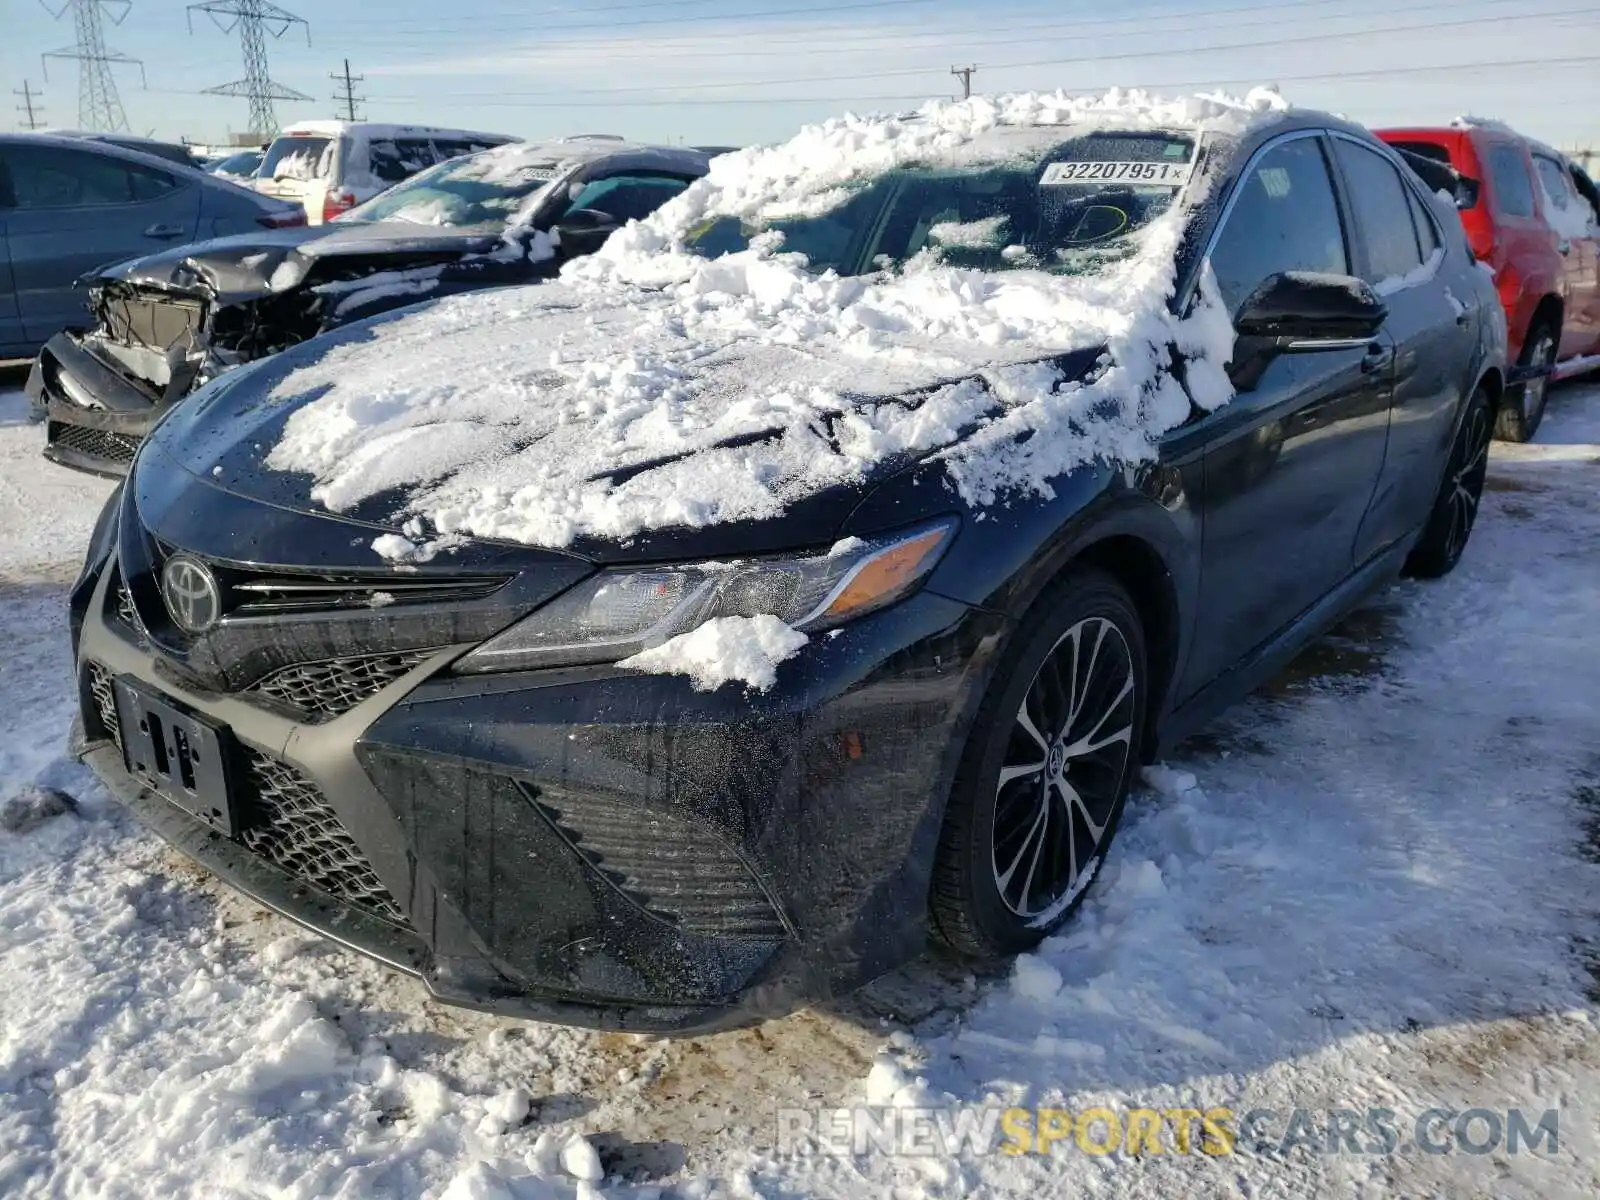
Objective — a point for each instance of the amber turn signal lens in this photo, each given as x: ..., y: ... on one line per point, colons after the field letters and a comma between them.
x: 883, y: 577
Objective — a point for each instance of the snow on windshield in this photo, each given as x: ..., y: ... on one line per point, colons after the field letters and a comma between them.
x: 506, y: 414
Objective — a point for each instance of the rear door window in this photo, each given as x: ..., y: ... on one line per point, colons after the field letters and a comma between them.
x: 50, y: 177
x: 1567, y: 211
x: 393, y: 160
x: 1427, y: 231
x: 1284, y: 218
x: 1508, y: 173
x: 1383, y: 212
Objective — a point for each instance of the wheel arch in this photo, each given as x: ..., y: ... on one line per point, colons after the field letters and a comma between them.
x: 1138, y: 566
x: 1550, y: 310
x: 1493, y: 384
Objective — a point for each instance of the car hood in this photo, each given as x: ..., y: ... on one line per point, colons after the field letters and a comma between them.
x: 245, y: 267
x: 223, y: 436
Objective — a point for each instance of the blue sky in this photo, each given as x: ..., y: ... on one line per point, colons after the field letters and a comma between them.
x: 708, y: 71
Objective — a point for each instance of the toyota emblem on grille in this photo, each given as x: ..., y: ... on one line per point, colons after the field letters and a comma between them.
x: 190, y: 592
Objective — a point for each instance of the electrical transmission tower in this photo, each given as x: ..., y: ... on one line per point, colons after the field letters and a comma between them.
x: 254, y: 19
x: 32, y: 115
x: 346, y: 97
x: 99, y: 106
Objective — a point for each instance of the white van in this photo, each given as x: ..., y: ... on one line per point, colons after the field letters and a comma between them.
x: 332, y: 166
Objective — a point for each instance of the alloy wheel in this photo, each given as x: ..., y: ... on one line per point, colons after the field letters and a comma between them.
x: 1062, y: 773
x: 1467, y: 474
x: 1536, y: 391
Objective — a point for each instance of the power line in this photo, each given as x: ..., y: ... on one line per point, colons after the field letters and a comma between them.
x: 545, y: 31
x: 254, y: 19
x: 32, y: 118
x: 99, y: 106
x: 1188, y: 51
x: 965, y: 74
x: 840, y: 33
x: 907, y: 97
x: 346, y: 95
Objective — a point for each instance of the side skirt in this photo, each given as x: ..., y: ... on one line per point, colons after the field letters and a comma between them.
x: 1268, y: 659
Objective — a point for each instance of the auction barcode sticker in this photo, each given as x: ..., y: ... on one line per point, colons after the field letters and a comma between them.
x: 1161, y: 174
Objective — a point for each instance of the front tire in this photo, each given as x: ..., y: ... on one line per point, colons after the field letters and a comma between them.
x: 1524, y: 405
x: 1042, y: 782
x: 1455, y: 508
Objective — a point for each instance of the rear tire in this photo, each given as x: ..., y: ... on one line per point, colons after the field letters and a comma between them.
x: 1524, y: 405
x: 1455, y: 509
x: 1046, y: 770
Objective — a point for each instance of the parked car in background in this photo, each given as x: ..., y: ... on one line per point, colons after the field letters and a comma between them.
x: 241, y: 167
x: 332, y: 166
x: 173, y: 152
x: 69, y: 206
x: 812, y: 569
x: 166, y: 323
x: 1533, y: 217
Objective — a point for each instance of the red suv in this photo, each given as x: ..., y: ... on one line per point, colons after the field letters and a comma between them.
x: 1534, y: 218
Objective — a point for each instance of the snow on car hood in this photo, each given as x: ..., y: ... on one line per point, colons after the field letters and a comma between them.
x: 604, y: 404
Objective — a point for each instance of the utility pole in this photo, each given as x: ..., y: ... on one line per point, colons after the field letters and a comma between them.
x: 346, y: 96
x: 32, y: 118
x: 965, y: 74
x: 254, y: 19
x: 99, y: 106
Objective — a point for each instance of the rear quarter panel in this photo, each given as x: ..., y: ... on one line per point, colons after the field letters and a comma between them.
x: 12, y: 341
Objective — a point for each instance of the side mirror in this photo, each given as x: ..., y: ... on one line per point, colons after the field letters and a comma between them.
x: 583, y: 230
x: 1303, y: 306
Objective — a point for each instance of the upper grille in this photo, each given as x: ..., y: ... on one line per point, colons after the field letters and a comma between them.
x: 260, y: 594
x: 102, y: 444
x: 671, y: 866
x: 329, y: 689
x: 290, y: 824
x: 105, y: 702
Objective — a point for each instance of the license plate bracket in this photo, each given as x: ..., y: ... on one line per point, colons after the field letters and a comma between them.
x: 180, y: 755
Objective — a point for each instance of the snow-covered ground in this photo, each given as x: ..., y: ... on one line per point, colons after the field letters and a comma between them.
x: 1379, y: 888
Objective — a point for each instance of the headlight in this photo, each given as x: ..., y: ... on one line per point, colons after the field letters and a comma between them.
x: 616, y: 614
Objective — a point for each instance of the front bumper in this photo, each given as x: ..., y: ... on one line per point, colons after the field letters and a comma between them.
x: 94, y: 417
x: 605, y: 849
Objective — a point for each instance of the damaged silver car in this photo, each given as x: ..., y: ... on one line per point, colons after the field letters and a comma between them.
x: 166, y: 324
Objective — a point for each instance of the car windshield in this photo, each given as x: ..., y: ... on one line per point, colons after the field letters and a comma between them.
x: 1070, y: 210
x: 239, y: 164
x: 480, y: 190
x: 298, y: 156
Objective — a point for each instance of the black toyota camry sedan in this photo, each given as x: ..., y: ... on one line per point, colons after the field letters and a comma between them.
x: 804, y: 575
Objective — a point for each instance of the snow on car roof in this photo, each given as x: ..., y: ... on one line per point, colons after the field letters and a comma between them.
x: 604, y: 404
x: 514, y: 160
x: 377, y: 132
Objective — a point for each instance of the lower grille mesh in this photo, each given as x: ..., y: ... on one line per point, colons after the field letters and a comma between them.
x: 286, y: 820
x: 105, y: 702
x: 95, y: 443
x: 328, y: 689
x: 291, y: 825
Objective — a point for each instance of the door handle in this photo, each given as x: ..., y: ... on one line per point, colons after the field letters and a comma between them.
x: 1376, y: 359
x: 164, y: 231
